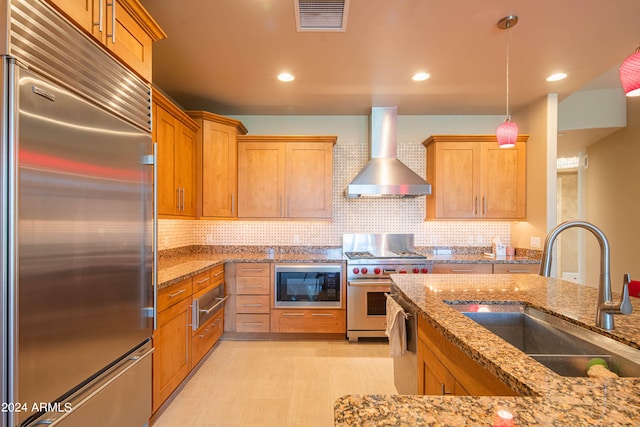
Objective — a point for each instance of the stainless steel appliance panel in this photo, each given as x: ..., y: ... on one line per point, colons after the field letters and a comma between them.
x: 366, y: 311
x: 308, y: 285
x: 84, y: 239
x: 405, y: 367
x: 206, y: 306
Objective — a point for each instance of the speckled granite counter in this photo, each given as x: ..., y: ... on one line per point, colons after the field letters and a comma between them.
x: 546, y: 398
x: 173, y: 268
x: 176, y: 265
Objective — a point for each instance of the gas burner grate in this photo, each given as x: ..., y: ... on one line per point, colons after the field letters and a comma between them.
x: 359, y: 255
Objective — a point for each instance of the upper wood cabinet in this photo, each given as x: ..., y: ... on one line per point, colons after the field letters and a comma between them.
x: 175, y: 133
x: 217, y: 164
x: 285, y: 176
x: 472, y: 178
x: 124, y: 27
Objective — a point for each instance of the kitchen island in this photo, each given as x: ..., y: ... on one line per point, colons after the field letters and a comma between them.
x: 545, y: 398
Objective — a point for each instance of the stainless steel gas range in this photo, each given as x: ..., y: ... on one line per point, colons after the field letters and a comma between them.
x: 371, y: 259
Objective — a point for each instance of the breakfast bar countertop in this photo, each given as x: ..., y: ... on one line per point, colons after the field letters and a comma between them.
x: 545, y: 398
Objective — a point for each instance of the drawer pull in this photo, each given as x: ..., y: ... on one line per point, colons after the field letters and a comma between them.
x: 218, y: 273
x: 519, y: 271
x: 293, y: 314
x: 177, y: 293
x: 206, y: 331
x: 252, y: 286
x: 455, y: 270
x: 206, y: 279
x: 252, y: 323
x: 252, y: 305
x: 322, y: 314
x: 220, y: 302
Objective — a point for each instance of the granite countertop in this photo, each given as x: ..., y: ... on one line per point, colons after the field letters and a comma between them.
x: 546, y: 398
x: 173, y: 267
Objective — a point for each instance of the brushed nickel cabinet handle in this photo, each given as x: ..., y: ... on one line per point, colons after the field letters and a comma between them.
x: 293, y: 314
x: 206, y: 279
x: 177, y: 293
x: 322, y: 314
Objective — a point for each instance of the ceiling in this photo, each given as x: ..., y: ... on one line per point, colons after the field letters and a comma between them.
x: 224, y: 55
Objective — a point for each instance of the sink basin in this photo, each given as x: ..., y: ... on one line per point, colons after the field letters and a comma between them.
x: 561, y: 346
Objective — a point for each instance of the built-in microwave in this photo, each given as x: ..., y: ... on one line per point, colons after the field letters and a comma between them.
x: 308, y: 285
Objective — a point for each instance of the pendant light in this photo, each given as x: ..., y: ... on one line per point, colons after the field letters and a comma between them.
x: 630, y: 74
x: 507, y: 132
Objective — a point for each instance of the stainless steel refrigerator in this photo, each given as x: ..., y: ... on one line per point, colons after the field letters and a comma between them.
x: 77, y: 210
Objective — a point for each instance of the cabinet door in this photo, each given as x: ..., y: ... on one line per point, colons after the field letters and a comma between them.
x: 503, y: 181
x: 261, y: 177
x: 458, y: 180
x: 165, y: 130
x: 80, y: 11
x: 172, y: 355
x: 219, y: 163
x: 185, y: 175
x: 126, y: 38
x: 309, y: 180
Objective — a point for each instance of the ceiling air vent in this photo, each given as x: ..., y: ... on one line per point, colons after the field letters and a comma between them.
x: 321, y: 15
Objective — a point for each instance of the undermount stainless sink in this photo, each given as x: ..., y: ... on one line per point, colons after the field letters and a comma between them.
x: 562, y: 346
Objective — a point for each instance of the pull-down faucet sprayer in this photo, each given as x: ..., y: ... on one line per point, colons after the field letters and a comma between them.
x: 605, y: 308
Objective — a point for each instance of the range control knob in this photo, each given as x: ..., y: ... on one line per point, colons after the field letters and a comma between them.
x: 416, y: 270
x: 425, y: 270
x: 376, y: 270
x: 356, y: 270
x: 403, y: 271
x: 364, y: 270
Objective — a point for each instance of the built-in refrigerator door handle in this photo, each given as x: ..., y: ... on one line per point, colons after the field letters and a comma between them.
x: 151, y: 161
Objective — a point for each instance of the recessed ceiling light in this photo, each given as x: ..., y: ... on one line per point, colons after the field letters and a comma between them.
x: 419, y: 77
x: 557, y: 76
x: 285, y: 77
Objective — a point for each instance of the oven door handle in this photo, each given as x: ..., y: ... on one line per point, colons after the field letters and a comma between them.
x: 220, y: 301
x: 367, y: 283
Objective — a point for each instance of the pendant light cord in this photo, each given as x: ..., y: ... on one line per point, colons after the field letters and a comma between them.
x: 508, y: 27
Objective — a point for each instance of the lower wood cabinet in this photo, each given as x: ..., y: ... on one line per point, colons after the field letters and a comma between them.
x: 516, y: 268
x: 206, y: 336
x: 444, y: 369
x: 252, y: 297
x: 178, y: 348
x: 172, y: 341
x: 309, y: 321
x: 463, y: 268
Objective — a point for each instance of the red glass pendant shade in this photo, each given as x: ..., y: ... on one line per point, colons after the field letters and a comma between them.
x: 630, y: 74
x: 507, y: 134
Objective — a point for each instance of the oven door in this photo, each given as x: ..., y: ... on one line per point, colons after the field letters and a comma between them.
x: 205, y: 307
x: 367, y: 310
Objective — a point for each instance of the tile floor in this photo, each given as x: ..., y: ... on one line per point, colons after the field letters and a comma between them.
x: 278, y: 383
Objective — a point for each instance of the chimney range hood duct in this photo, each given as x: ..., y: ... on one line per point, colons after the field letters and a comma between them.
x: 384, y: 175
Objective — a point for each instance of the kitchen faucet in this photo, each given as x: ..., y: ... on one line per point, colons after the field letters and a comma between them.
x: 605, y: 308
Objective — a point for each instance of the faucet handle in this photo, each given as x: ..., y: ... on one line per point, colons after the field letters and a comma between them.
x: 625, y: 302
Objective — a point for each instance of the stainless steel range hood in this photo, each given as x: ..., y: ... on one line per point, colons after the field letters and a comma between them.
x: 384, y: 175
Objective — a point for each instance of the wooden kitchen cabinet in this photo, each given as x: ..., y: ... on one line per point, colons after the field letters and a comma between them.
x: 126, y: 29
x: 445, y: 369
x: 462, y: 268
x: 516, y: 268
x: 206, y: 337
x: 216, y: 164
x: 175, y: 133
x: 253, y: 297
x: 285, y: 176
x: 472, y: 178
x: 309, y: 321
x: 171, y: 340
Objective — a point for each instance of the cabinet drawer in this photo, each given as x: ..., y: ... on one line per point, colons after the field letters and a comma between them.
x: 252, y: 304
x: 463, y: 268
x: 253, y: 270
x: 309, y: 321
x: 206, y: 336
x: 516, y: 268
x: 173, y: 294
x: 252, y: 323
x: 253, y: 285
x: 201, y: 280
